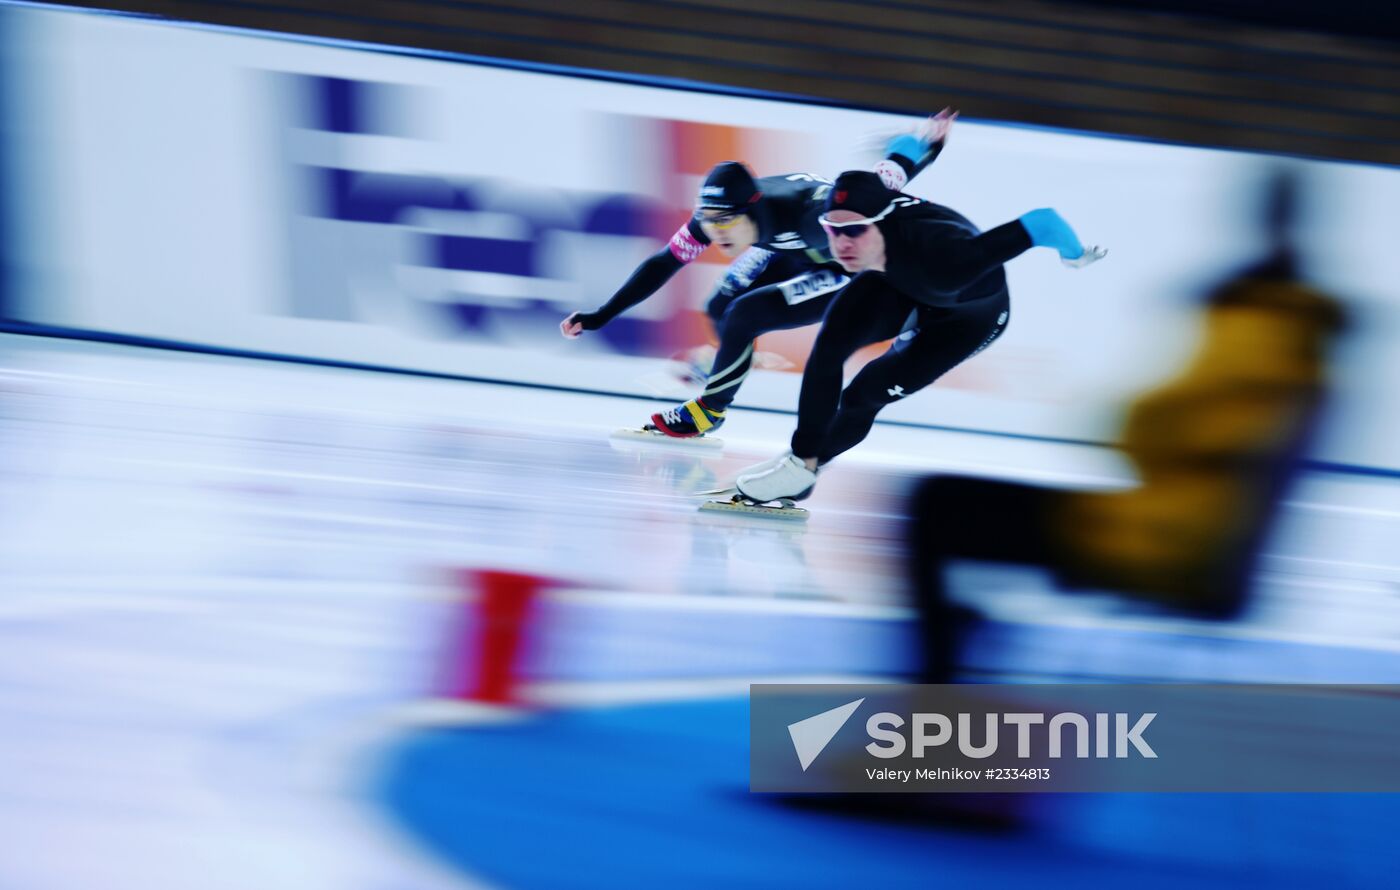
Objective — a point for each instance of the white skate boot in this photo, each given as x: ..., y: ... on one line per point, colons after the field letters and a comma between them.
x: 770, y: 489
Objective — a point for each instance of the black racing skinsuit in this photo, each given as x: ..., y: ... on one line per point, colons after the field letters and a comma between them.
x: 940, y: 269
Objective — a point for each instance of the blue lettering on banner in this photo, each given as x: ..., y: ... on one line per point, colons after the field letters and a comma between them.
x: 496, y: 255
x: 500, y: 230
x: 383, y: 198
x: 340, y: 106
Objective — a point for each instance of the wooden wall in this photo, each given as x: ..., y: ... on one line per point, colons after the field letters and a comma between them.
x: 1133, y: 73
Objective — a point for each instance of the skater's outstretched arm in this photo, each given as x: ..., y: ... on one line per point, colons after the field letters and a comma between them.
x: 646, y: 280
x: 687, y: 244
x: 954, y: 260
x: 911, y: 153
x: 1048, y: 229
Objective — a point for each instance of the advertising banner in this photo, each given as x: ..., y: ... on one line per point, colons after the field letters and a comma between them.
x: 271, y: 195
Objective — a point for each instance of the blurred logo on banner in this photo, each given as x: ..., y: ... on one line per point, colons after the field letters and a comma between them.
x: 375, y: 238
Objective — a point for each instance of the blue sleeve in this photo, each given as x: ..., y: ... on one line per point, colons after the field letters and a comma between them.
x: 1048, y: 229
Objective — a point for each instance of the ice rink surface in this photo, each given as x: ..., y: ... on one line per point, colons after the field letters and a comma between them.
x: 228, y: 588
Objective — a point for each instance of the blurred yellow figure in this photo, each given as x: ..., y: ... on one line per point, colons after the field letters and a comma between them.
x: 1213, y: 448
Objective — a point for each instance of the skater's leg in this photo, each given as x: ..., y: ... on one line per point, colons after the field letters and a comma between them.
x: 952, y: 517
x: 788, y: 293
x: 867, y: 311
x: 914, y: 361
x: 752, y: 269
x: 794, y: 303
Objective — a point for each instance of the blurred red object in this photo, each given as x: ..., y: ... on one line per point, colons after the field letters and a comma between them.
x: 485, y: 652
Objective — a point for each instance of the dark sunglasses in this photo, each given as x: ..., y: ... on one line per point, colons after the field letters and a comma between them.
x: 856, y: 227
x: 850, y: 230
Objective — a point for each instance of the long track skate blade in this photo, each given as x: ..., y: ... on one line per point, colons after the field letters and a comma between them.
x: 715, y: 492
x: 746, y: 507
x: 636, y: 434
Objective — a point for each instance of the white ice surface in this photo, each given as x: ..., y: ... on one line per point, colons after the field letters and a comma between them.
x: 223, y: 582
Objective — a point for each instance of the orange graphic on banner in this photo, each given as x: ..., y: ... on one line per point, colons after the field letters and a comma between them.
x: 694, y: 149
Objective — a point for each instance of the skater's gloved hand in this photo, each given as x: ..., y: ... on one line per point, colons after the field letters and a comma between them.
x: 913, y: 146
x: 936, y: 128
x: 1092, y: 254
x: 577, y: 323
